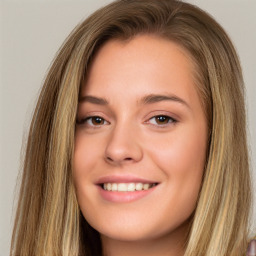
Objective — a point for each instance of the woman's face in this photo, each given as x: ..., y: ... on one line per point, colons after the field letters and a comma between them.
x: 141, y: 140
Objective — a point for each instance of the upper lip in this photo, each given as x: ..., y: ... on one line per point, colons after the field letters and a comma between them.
x: 123, y: 179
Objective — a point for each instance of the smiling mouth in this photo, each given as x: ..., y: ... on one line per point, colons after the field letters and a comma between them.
x: 127, y: 187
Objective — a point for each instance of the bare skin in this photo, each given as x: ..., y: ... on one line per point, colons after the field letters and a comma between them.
x: 164, y: 246
x: 140, y: 120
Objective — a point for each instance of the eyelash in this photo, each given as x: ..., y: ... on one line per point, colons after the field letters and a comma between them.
x: 90, y: 118
x: 169, y: 119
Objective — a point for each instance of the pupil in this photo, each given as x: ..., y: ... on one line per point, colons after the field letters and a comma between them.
x: 162, y: 119
x: 97, y: 120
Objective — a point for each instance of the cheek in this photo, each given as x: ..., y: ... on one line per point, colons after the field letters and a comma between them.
x: 85, y: 152
x: 86, y: 159
x: 87, y: 149
x: 185, y: 152
x: 181, y: 156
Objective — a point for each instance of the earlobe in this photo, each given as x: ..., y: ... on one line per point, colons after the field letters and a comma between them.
x: 251, y: 251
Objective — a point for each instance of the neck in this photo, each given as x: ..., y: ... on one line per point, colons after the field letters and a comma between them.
x: 168, y: 245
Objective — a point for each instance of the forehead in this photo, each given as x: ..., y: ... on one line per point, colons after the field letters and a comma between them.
x: 146, y: 47
x: 143, y: 65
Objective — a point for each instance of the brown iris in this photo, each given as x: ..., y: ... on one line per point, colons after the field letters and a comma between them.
x: 162, y: 119
x: 96, y: 120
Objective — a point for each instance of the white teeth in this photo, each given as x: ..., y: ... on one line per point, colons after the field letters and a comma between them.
x: 131, y: 187
x: 124, y: 187
x: 109, y: 186
x: 114, y: 187
x: 121, y: 187
x: 139, y: 186
x: 145, y: 186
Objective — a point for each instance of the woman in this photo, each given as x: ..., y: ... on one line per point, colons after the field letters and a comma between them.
x: 135, y: 146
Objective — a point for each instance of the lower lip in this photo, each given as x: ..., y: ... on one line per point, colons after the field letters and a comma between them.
x: 124, y: 197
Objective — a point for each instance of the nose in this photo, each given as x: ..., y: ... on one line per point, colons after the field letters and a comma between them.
x: 123, y: 146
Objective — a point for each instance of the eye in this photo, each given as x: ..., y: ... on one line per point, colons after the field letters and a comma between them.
x: 161, y: 120
x: 93, y: 121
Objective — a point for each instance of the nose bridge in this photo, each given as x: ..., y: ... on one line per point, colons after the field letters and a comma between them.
x: 123, y: 144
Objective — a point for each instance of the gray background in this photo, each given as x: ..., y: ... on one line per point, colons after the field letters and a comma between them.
x: 32, y: 32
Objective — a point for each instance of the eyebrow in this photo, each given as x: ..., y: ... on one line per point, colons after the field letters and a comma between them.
x: 93, y: 100
x: 148, y: 99
x: 154, y: 98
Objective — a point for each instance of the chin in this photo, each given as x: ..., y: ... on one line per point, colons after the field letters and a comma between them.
x: 136, y: 228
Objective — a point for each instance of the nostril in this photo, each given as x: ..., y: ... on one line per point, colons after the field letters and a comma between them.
x: 109, y: 159
x: 125, y: 159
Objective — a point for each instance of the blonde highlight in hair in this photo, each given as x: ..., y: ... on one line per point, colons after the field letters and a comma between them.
x: 48, y: 220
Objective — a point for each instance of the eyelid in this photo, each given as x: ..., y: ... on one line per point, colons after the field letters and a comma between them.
x: 172, y: 118
x: 165, y: 124
x: 85, y: 118
x: 161, y: 113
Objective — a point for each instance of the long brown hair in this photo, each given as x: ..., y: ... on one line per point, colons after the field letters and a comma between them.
x: 48, y: 219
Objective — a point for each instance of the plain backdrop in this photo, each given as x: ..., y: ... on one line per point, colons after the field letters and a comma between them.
x: 32, y: 32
